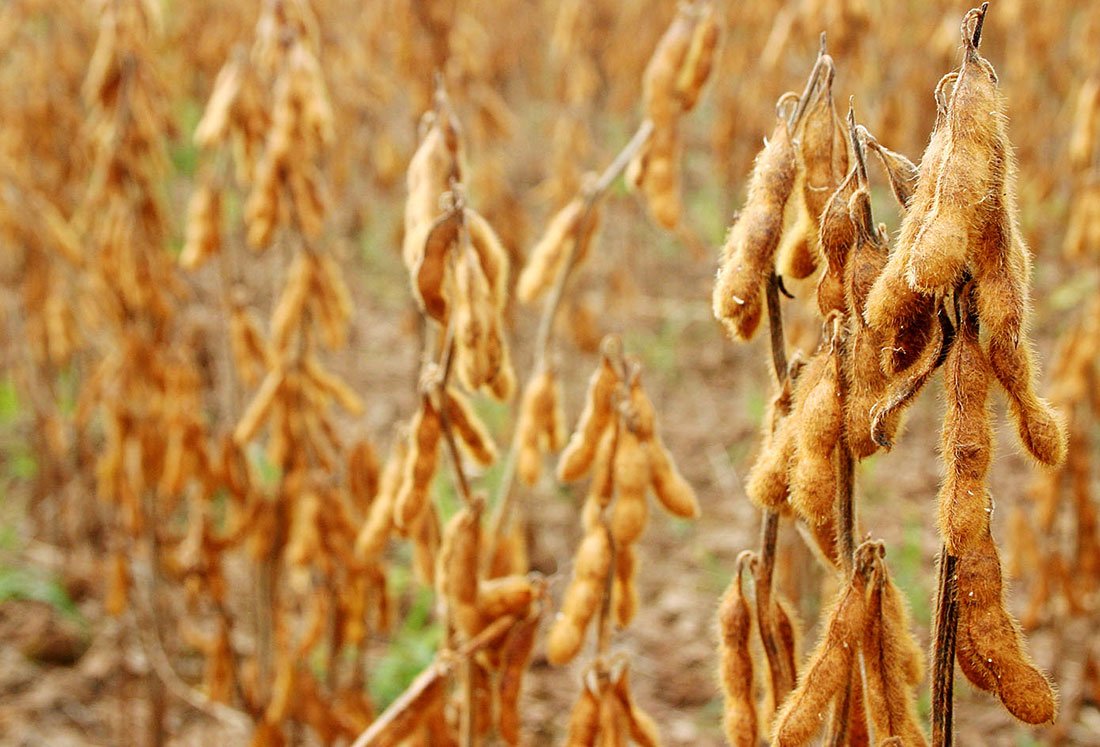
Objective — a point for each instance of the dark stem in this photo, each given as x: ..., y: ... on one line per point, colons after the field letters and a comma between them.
x: 943, y: 656
x: 781, y: 676
x: 976, y: 39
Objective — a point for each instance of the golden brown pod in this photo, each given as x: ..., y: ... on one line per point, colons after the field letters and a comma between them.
x: 819, y: 419
x: 748, y: 255
x: 736, y: 667
x: 582, y: 597
x: 577, y: 457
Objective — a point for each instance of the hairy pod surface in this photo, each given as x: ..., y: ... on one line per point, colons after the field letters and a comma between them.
x: 748, y: 255
x: 736, y: 668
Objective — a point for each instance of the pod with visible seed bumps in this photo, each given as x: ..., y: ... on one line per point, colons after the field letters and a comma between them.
x: 456, y: 575
x: 804, y: 711
x: 471, y: 432
x: 990, y: 648
x: 541, y: 425
x: 736, y: 668
x: 582, y: 598
x: 577, y: 457
x: 420, y: 464
x: 748, y: 256
x: 819, y: 417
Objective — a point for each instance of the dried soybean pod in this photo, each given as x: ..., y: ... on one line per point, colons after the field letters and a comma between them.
x: 660, y: 175
x: 767, y: 483
x: 582, y: 598
x: 577, y: 457
x: 471, y: 432
x: 507, y: 595
x: 1037, y: 424
x: 613, y: 728
x: 643, y: 729
x: 804, y: 711
x: 892, y: 303
x: 631, y: 472
x: 890, y: 698
x: 549, y: 255
x: 602, y: 487
x: 817, y: 143
x: 538, y: 425
x: 515, y: 655
x: 700, y: 58
x: 674, y: 492
x: 1086, y: 117
x: 902, y: 173
x: 966, y: 175
x: 456, y: 569
x: 796, y: 256
x: 420, y: 463
x: 902, y: 391
x: 376, y: 529
x: 736, y: 670
x: 836, y: 234
x: 866, y: 381
x: 966, y: 441
x: 491, y: 255
x: 624, y: 593
x: 748, y: 256
x: 584, y: 720
x: 477, y: 354
x: 819, y: 417
x: 660, y: 92
x: 430, y: 273
x: 990, y: 647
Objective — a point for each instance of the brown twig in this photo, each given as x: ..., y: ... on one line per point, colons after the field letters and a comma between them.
x: 943, y: 657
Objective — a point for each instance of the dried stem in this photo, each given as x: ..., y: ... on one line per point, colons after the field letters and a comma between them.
x: 943, y: 657
x: 781, y: 676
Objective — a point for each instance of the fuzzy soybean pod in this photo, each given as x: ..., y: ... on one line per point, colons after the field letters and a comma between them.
x: 375, y: 531
x: 631, y: 473
x: 805, y: 710
x: 886, y: 647
x: 640, y: 725
x: 577, y: 457
x: 767, y: 484
x: 549, y: 255
x: 584, y: 720
x: 990, y: 647
x: 748, y: 256
x: 836, y: 234
x: 491, y: 255
x: 865, y: 378
x: 472, y: 434
x: 796, y: 256
x: 900, y: 171
x: 816, y: 150
x: 582, y: 598
x: 736, y: 670
x: 624, y: 592
x: 541, y: 426
x: 966, y: 442
x: 506, y: 595
x: 673, y: 492
x: 818, y: 415
x: 1002, y: 272
x: 515, y: 656
x: 456, y: 569
x: 969, y: 170
x: 892, y: 303
x: 420, y: 463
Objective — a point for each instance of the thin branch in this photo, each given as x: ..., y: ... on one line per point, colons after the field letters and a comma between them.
x: 943, y: 660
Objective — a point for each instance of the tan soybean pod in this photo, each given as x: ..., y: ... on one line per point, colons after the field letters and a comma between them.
x: 819, y: 417
x: 584, y: 720
x: 767, y: 484
x: 515, y: 656
x: 507, y: 595
x: 748, y: 255
x: 631, y: 473
x: 491, y: 255
x: 456, y: 574
x: 472, y: 434
x: 990, y: 648
x: 541, y: 426
x: 805, y: 710
x: 624, y: 592
x: 890, y: 697
x: 640, y: 725
x: 420, y: 464
x: 576, y: 459
x: 549, y: 255
x: 735, y: 672
x: 966, y: 442
x: 582, y: 597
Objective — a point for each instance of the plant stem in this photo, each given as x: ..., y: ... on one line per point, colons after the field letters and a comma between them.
x: 943, y: 656
x: 781, y: 677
